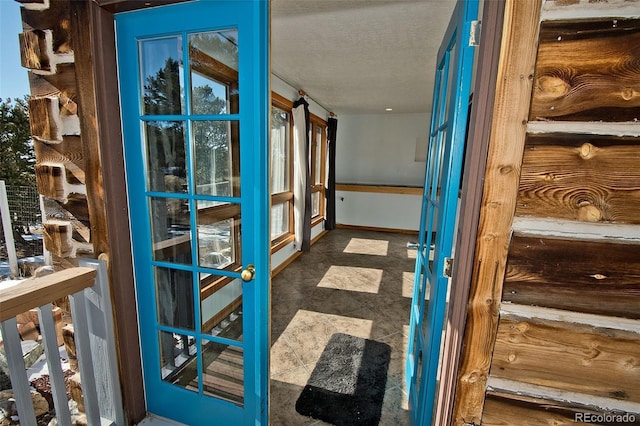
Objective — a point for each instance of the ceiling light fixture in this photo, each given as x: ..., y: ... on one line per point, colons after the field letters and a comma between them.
x: 388, y: 109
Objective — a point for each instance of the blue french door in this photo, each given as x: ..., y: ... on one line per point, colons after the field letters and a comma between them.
x: 439, y: 210
x: 194, y: 87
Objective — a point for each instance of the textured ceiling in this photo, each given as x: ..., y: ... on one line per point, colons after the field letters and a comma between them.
x: 360, y: 56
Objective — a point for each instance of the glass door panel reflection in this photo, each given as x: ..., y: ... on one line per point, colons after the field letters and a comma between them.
x: 223, y: 371
x: 166, y: 161
x: 193, y: 187
x: 216, y: 160
x: 213, y: 60
x: 170, y: 229
x: 218, y: 234
x: 221, y: 311
x: 162, y: 70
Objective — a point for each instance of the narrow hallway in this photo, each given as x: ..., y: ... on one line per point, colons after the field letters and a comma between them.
x: 354, y: 282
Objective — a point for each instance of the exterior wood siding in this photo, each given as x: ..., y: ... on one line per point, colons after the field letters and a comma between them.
x: 68, y: 46
x: 595, y: 277
x: 589, y: 178
x: 555, y: 335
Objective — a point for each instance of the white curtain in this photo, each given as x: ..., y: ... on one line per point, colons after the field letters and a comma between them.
x: 300, y: 174
x: 278, y: 174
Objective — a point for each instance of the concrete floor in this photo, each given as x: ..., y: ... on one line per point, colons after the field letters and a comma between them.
x: 355, y: 282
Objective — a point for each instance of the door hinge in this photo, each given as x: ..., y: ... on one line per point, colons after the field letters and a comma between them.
x: 448, y: 267
x: 474, y: 33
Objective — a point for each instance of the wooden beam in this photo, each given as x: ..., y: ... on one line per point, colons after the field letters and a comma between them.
x: 44, y: 119
x: 586, y: 359
x: 506, y: 145
x: 591, y: 277
x: 33, y: 50
x: 383, y: 189
x: 588, y: 71
x: 120, y: 268
x: 512, y: 409
x: 54, y: 18
x: 85, y: 80
x: 36, y: 292
x: 116, y: 6
x: 587, y: 178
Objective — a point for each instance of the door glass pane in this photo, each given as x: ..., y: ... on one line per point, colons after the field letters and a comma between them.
x: 279, y: 219
x: 421, y: 288
x: 175, y: 351
x: 223, y: 371
x: 216, y: 162
x: 165, y: 149
x: 442, y: 140
x: 279, y: 150
x: 218, y: 228
x: 174, y: 298
x: 213, y: 60
x: 161, y: 66
x: 439, y: 115
x: 170, y: 230
x: 452, y: 79
x: 221, y: 306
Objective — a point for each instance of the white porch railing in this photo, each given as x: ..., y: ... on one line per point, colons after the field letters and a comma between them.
x: 87, y: 288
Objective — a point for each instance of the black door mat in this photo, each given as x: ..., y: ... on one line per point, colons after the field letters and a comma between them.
x: 347, y: 386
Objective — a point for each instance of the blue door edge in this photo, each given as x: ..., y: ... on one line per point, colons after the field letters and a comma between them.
x: 262, y: 82
x: 465, y: 12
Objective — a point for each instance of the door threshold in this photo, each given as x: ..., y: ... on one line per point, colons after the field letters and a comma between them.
x: 153, y: 420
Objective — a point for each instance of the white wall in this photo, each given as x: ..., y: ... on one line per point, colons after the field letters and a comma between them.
x: 381, y: 148
x: 378, y: 210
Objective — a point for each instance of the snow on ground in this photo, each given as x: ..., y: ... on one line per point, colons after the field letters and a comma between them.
x: 40, y: 367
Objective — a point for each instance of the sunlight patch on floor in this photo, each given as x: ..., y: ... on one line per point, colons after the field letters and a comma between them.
x: 407, y: 284
x: 367, y: 246
x: 353, y: 324
x: 352, y: 278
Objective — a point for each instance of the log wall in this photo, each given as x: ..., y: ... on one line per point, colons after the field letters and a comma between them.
x: 560, y: 335
x: 68, y: 46
x: 47, y: 51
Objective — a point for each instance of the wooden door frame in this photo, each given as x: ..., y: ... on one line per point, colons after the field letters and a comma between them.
x: 472, y: 188
x: 99, y: 102
x: 100, y: 51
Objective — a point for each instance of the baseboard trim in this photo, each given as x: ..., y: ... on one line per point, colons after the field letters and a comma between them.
x: 375, y: 228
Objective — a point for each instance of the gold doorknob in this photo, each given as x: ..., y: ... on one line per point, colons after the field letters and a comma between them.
x: 248, y: 273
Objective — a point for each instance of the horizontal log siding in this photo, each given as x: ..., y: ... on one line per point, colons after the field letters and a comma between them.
x: 591, y: 277
x: 588, y: 178
x: 502, y: 409
x: 579, y: 358
x: 588, y: 71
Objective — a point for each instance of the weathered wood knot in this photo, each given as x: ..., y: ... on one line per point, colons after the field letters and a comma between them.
x: 628, y: 94
x: 587, y: 150
x: 552, y: 87
x: 587, y: 212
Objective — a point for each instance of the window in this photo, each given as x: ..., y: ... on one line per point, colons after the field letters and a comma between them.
x: 318, y: 152
x: 282, y: 170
